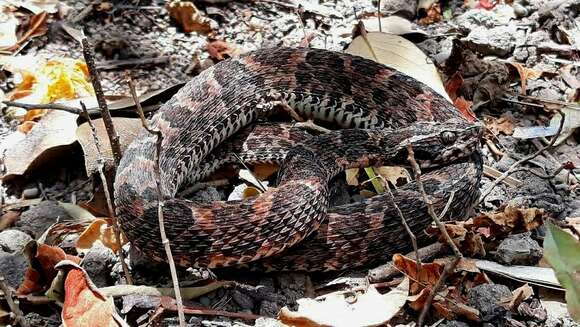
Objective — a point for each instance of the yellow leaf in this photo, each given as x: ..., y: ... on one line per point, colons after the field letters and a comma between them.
x: 99, y: 230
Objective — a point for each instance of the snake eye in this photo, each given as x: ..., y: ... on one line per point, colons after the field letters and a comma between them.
x: 448, y: 137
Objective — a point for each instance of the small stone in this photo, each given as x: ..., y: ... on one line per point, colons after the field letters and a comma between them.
x: 403, y: 8
x: 519, y: 249
x: 98, y: 262
x: 13, y: 240
x: 40, y: 217
x: 30, y: 193
x: 13, y: 267
x: 519, y: 10
x: 487, y: 299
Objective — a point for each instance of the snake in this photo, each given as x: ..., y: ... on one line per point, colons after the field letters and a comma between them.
x: 380, y: 111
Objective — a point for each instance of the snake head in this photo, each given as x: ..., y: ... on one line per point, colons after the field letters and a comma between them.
x: 439, y: 143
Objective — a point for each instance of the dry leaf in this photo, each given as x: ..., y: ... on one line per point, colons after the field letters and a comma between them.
x: 188, y: 17
x: 401, y: 54
x: 433, y: 15
x: 519, y: 295
x: 525, y: 74
x: 352, y: 176
x: 393, y: 174
x: 221, y: 50
x: 503, y: 124
x: 510, y: 220
x: 336, y: 309
x: 41, y: 271
x: 264, y: 170
x: 127, y: 129
x: 84, y: 304
x: 428, y: 275
x: 100, y: 230
x: 51, y: 135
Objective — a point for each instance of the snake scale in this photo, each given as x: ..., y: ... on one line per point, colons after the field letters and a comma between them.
x: 290, y: 227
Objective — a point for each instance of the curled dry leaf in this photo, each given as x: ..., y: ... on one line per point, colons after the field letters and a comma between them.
x: 426, y: 276
x: 338, y: 309
x: 525, y: 74
x: 101, y: 231
x: 188, y: 17
x: 84, y: 304
x: 42, y: 258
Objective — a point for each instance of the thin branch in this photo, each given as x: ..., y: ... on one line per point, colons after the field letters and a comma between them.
x: 12, y: 304
x: 54, y: 106
x: 404, y: 222
x: 450, y: 266
x: 160, y: 203
x: 100, y: 167
x: 89, y: 56
x: 513, y: 167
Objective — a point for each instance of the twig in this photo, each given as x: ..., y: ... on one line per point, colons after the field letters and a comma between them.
x: 127, y: 63
x: 513, y: 167
x: 13, y: 304
x: 106, y: 115
x: 450, y: 266
x: 100, y: 167
x: 160, y: 203
x: 53, y: 106
x: 211, y: 312
x: 404, y: 222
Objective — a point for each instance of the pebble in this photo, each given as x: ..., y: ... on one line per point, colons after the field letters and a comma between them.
x: 98, y: 262
x: 13, y: 267
x: 519, y: 249
x: 487, y: 299
x: 30, y: 193
x: 40, y: 217
x: 13, y: 240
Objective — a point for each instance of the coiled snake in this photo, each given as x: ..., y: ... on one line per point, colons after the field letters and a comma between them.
x: 290, y: 227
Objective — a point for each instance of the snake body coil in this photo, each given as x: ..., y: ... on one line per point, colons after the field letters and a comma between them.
x: 388, y: 109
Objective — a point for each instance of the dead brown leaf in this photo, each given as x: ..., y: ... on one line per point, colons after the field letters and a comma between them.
x: 503, y: 124
x: 221, y: 50
x: 188, y: 17
x: 41, y: 271
x: 519, y: 295
x: 433, y: 15
x: 510, y: 220
x: 525, y: 74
